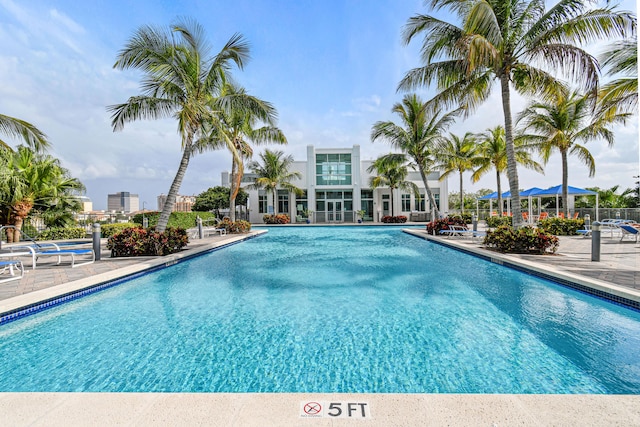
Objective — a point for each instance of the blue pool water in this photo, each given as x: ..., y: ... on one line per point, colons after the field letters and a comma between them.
x: 328, y: 309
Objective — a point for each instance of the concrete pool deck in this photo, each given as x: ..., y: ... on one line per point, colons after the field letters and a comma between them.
x: 618, y: 269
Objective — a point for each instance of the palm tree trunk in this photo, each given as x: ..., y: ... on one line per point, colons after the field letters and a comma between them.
x: 175, y: 187
x: 432, y: 201
x: 391, y: 201
x: 275, y: 204
x: 499, y: 186
x: 512, y: 168
x: 461, y: 196
x: 233, y: 193
x: 565, y: 184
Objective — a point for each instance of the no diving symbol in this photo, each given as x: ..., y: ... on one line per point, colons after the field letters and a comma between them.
x: 312, y: 408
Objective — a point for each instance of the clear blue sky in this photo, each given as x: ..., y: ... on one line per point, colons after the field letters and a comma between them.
x: 330, y: 68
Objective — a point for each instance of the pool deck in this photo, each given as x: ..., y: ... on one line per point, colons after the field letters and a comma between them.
x: 618, y: 271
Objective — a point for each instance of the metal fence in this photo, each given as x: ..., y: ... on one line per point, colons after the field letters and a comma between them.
x: 603, y: 213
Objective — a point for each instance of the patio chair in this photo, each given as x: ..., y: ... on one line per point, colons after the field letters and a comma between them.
x: 11, y: 266
x: 629, y: 230
x: 51, y: 249
x: 543, y: 215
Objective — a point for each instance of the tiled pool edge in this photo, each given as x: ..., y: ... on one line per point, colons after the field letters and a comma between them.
x: 598, y: 288
x: 24, y: 305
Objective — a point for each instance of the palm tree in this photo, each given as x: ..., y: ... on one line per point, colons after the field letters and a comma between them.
x: 236, y: 127
x: 621, y: 95
x: 560, y: 125
x: 274, y: 173
x: 509, y: 41
x: 180, y: 80
x: 492, y: 154
x: 457, y: 154
x: 416, y: 136
x: 30, y: 179
x: 392, y: 172
x: 32, y: 137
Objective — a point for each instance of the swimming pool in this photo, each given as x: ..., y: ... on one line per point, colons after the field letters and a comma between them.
x: 328, y: 309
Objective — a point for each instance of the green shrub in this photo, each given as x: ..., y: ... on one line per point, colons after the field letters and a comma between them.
x: 497, y: 221
x: 108, y: 230
x: 63, y: 233
x: 465, y: 217
x: 523, y: 240
x: 561, y: 226
x: 237, y: 227
x: 435, y: 226
x: 276, y: 219
x: 138, y: 241
x: 176, y: 219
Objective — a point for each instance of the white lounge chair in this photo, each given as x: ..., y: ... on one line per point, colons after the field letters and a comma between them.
x: 51, y: 249
x: 11, y: 266
x: 462, y: 231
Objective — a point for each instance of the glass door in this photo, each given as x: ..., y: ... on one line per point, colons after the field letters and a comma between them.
x: 334, y: 211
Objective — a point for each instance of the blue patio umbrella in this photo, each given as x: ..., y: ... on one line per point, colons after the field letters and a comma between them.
x: 557, y: 191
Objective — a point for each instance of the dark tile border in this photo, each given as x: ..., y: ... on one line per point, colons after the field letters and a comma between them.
x: 37, y: 307
x: 607, y: 296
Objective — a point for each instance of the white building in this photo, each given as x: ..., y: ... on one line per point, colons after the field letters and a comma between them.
x: 336, y: 186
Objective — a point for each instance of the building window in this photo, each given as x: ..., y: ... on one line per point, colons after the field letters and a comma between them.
x: 283, y: 201
x: 437, y: 200
x: 262, y: 202
x: 333, y: 169
x: 366, y: 204
x: 422, y: 207
x: 406, y: 202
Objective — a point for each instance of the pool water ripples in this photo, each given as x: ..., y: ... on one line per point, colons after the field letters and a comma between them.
x: 328, y: 309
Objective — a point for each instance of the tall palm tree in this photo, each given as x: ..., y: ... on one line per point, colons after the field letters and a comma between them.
x: 620, y: 96
x: 392, y: 172
x: 30, y: 179
x: 457, y: 154
x: 560, y: 125
x: 416, y: 136
x: 274, y: 173
x: 31, y: 135
x: 492, y: 154
x: 509, y: 40
x: 180, y: 80
x: 236, y: 129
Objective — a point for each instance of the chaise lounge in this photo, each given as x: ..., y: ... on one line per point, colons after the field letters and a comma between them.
x: 11, y: 266
x: 629, y: 230
x: 51, y: 249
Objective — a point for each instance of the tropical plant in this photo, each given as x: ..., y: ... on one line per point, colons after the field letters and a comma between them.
x: 492, y: 154
x: 30, y: 135
x: 524, y: 240
x: 620, y: 96
x: 509, y: 41
x: 216, y: 198
x: 609, y: 198
x: 560, y: 125
x: 416, y: 136
x: 392, y: 172
x: 30, y: 180
x: 236, y: 129
x: 456, y: 154
x: 179, y: 80
x: 273, y: 173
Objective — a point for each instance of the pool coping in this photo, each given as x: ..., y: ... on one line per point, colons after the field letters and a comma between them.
x: 621, y: 295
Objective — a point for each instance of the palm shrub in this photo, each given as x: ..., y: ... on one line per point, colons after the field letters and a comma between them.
x: 138, y: 241
x: 436, y: 225
x: 526, y: 239
x: 561, y: 226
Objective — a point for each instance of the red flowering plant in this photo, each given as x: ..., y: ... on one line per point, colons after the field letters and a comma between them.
x: 523, y: 240
x: 276, y: 219
x: 400, y: 219
x: 436, y: 225
x: 138, y: 241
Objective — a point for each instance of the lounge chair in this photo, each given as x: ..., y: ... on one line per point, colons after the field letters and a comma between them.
x: 11, y: 266
x: 543, y: 215
x: 51, y: 249
x: 629, y: 230
x: 462, y: 231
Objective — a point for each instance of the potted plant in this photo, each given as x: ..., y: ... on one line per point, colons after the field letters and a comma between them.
x: 360, y: 215
x: 308, y: 214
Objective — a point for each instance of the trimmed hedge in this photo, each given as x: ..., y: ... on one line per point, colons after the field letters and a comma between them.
x: 561, y: 226
x: 108, y: 230
x: 523, y: 240
x: 276, y: 219
x: 138, y: 241
x: 63, y: 233
x: 388, y: 219
x: 176, y: 219
x: 497, y: 221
